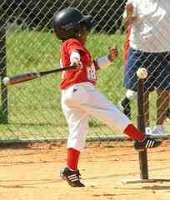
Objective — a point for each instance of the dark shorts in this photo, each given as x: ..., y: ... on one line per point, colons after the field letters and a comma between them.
x: 157, y: 64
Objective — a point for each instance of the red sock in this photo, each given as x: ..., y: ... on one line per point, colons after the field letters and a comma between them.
x: 72, y: 158
x: 134, y: 133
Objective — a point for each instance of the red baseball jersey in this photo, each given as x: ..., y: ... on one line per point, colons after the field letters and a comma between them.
x: 87, y: 73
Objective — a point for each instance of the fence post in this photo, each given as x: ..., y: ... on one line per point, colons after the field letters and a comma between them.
x: 143, y: 160
x: 3, y: 69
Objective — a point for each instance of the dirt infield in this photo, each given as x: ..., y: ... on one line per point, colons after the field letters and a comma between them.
x: 32, y: 173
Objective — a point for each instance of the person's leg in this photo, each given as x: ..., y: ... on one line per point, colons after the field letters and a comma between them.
x: 168, y: 114
x: 146, y: 109
x: 148, y: 129
x: 162, y: 84
x: 78, y: 127
x: 99, y: 107
x: 130, y: 79
x: 162, y: 105
x: 124, y: 104
x: 163, y: 99
x: 130, y: 94
x: 135, y: 60
x: 77, y: 120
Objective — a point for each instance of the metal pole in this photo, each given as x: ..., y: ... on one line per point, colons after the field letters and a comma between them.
x: 3, y: 69
x: 143, y: 160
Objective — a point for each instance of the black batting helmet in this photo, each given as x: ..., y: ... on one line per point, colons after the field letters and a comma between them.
x: 69, y: 22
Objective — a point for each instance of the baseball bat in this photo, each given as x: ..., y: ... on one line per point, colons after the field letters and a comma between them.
x: 19, y: 78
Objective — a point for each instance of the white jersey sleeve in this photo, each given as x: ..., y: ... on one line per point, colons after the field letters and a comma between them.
x: 103, y: 62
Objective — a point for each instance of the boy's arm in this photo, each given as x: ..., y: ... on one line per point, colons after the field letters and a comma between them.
x: 104, y: 61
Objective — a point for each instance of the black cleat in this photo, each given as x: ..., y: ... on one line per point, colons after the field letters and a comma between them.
x: 146, y: 143
x: 72, y: 177
x: 124, y: 105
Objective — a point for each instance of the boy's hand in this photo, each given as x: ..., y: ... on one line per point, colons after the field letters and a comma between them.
x: 77, y: 63
x: 113, y: 53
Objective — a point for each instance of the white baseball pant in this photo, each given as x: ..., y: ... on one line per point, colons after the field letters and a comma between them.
x: 81, y: 100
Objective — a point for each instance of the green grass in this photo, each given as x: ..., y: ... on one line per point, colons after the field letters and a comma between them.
x: 34, y: 106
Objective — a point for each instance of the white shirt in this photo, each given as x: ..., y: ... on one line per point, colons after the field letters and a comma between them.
x: 151, y: 32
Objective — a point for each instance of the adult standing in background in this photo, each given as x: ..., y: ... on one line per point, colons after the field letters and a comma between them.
x: 124, y: 103
x: 150, y: 48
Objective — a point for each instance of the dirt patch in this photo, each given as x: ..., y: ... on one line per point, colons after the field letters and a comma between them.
x: 31, y: 172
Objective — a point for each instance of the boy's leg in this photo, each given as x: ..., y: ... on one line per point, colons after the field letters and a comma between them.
x: 77, y: 120
x: 78, y: 127
x: 99, y: 107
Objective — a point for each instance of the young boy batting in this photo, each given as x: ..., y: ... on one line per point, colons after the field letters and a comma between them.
x: 79, y: 96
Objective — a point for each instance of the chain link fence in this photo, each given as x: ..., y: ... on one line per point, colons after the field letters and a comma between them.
x: 31, y: 110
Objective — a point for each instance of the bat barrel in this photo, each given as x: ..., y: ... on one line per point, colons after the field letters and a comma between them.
x: 20, y: 78
x: 33, y: 75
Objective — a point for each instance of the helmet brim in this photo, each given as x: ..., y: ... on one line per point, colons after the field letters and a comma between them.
x: 87, y: 18
x: 87, y: 21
